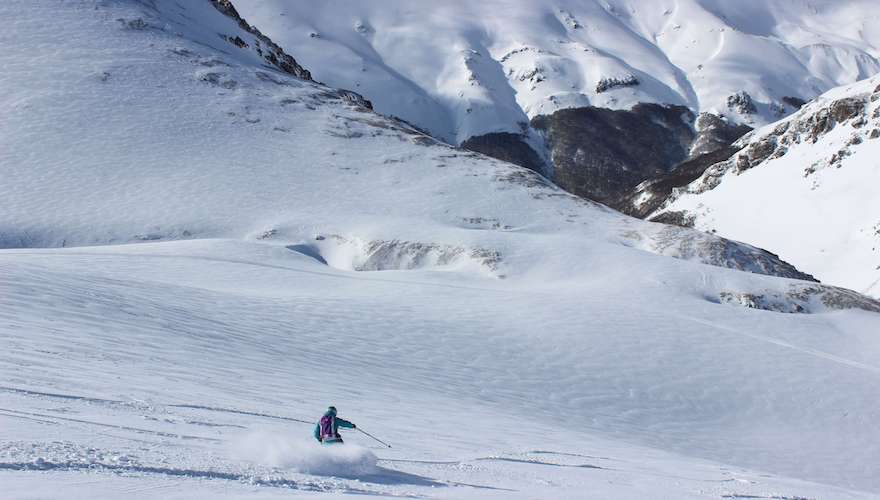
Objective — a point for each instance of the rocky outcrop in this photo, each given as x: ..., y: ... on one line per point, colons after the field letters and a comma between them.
x: 354, y: 98
x: 650, y: 195
x: 742, y: 103
x: 807, y: 126
x: 265, y: 47
x: 807, y: 178
x: 688, y: 244
x: 802, y: 298
x: 715, y: 133
x: 275, y: 56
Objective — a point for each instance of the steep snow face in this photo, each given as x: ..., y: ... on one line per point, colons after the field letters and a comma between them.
x: 460, y: 68
x: 805, y: 188
x: 457, y: 304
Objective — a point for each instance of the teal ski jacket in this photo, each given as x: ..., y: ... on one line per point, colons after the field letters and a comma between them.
x: 337, y: 423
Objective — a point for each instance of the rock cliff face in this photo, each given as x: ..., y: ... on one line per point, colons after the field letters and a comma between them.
x: 265, y: 47
x: 273, y: 54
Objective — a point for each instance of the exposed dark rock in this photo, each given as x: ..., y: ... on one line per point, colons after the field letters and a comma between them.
x: 606, y: 84
x: 650, y: 198
x: 507, y: 147
x: 842, y: 110
x: 682, y: 243
x: 826, y: 119
x: 651, y: 194
x: 226, y: 7
x: 761, y: 150
x: 801, y: 298
x: 238, y: 42
x: 603, y: 154
x: 271, y: 52
x: 714, y: 133
x: 681, y: 218
x: 795, y: 102
x: 742, y: 102
x: 354, y: 98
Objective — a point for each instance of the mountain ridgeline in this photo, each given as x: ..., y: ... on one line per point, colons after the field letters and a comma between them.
x: 598, y: 96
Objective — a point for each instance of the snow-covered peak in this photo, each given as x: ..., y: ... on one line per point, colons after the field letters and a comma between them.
x: 460, y: 68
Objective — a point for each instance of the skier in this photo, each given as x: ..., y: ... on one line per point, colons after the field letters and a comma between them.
x: 327, y: 429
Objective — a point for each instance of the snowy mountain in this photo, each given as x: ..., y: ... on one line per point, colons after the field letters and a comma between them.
x: 203, y: 248
x: 535, y: 82
x: 805, y: 187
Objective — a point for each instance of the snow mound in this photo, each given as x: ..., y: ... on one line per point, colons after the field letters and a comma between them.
x: 307, y: 457
x: 355, y: 254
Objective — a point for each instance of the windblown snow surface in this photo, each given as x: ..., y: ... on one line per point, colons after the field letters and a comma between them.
x: 202, y: 253
x: 462, y: 68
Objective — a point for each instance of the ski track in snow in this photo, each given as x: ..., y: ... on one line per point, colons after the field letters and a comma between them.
x: 770, y: 340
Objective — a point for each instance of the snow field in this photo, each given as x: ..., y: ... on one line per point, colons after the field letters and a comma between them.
x: 245, y: 255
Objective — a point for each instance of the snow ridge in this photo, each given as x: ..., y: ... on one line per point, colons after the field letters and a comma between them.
x: 811, y: 183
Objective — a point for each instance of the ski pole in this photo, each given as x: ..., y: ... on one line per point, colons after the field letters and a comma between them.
x: 374, y: 437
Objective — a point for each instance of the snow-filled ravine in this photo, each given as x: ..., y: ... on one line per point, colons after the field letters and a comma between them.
x: 200, y: 253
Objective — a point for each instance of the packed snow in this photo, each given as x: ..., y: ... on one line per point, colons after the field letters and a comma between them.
x: 814, y: 200
x: 460, y: 68
x: 202, y: 253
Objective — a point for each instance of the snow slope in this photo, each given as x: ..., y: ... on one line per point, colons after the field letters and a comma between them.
x: 173, y: 368
x: 805, y: 188
x: 242, y: 236
x: 460, y: 68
